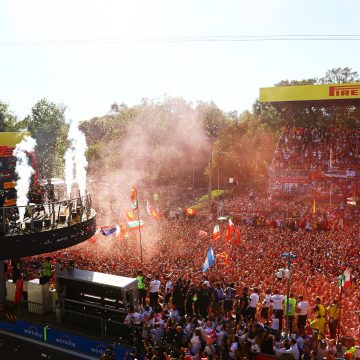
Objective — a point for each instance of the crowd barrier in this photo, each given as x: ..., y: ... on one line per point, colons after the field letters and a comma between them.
x: 61, y: 339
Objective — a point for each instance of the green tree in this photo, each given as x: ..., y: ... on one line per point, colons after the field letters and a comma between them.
x: 340, y: 75
x: 47, y: 125
x: 8, y: 119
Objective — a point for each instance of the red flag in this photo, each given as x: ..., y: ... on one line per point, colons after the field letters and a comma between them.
x: 238, y: 237
x: 130, y: 215
x: 216, y: 232
x: 230, y: 230
x: 223, y: 258
x: 154, y: 214
x: 190, y: 211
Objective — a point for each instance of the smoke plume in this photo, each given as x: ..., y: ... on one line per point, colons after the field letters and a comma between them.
x: 24, y: 171
x: 75, y: 160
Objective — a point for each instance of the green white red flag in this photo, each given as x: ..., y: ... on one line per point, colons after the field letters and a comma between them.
x: 344, y: 279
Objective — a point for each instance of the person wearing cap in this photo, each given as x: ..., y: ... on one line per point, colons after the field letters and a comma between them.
x: 333, y: 311
x: 320, y: 322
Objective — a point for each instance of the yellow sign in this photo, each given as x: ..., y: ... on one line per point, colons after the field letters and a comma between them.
x: 310, y: 92
x: 12, y: 138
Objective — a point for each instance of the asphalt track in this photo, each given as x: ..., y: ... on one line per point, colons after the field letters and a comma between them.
x: 14, y: 348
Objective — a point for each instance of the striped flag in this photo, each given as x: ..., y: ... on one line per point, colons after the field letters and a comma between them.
x: 344, y: 279
x: 210, y: 259
x: 134, y: 198
x: 230, y: 230
x: 216, y: 232
x: 135, y: 224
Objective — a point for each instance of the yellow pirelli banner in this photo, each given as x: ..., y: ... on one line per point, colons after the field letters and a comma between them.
x: 310, y: 92
x: 12, y: 138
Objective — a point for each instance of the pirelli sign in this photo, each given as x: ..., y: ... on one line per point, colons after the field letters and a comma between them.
x: 310, y: 92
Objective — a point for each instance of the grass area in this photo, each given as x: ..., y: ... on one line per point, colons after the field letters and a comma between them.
x: 203, y: 200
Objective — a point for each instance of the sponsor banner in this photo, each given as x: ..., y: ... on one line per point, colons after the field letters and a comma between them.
x: 74, y: 342
x: 10, y: 139
x: 5, y: 326
x: 310, y: 92
x: 29, y: 330
x: 61, y: 339
x: 291, y: 180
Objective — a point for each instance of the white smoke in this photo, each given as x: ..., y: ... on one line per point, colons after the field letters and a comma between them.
x: 24, y: 171
x: 75, y: 160
x: 69, y: 170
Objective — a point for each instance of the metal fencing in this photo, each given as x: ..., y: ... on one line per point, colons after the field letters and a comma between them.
x: 49, y: 215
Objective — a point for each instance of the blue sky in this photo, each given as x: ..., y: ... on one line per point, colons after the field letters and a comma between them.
x: 44, y: 50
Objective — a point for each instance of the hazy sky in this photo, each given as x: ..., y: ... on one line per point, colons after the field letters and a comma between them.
x: 57, y: 49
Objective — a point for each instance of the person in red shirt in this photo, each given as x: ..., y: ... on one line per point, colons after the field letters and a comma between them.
x: 19, y: 288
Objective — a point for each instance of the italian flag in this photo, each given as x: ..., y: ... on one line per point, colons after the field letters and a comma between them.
x: 344, y: 279
x: 216, y: 232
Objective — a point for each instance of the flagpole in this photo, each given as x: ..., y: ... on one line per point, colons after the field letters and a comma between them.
x: 338, y: 327
x: 141, y: 252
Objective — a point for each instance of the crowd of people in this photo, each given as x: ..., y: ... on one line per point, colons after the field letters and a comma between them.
x: 295, y: 213
x: 196, y: 313
x: 319, y: 149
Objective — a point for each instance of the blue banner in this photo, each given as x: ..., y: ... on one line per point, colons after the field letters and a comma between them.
x: 74, y: 342
x: 29, y: 330
x: 7, y: 326
x: 61, y: 339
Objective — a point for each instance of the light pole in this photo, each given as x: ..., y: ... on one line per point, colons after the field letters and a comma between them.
x: 287, y: 256
x: 193, y: 179
x: 210, y: 169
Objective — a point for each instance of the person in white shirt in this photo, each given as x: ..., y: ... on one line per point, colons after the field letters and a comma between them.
x: 133, y: 317
x: 288, y: 349
x: 154, y: 292
x: 274, y: 324
x: 253, y: 301
x: 277, y: 301
x: 233, y: 353
x: 169, y: 287
x: 266, y: 306
x: 303, y: 308
x: 196, y: 342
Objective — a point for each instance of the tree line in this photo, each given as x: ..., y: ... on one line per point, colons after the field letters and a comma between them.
x: 241, y: 145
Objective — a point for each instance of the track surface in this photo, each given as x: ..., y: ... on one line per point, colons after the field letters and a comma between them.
x: 17, y: 349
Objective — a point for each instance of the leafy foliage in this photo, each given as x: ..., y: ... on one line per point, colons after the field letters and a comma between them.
x: 47, y: 125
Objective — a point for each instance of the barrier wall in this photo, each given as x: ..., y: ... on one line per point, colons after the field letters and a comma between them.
x: 60, y: 339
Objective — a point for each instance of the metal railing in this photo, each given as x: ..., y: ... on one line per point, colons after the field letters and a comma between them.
x: 48, y: 215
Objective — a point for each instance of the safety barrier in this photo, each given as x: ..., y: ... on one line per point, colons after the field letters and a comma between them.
x: 61, y: 339
x: 45, y: 216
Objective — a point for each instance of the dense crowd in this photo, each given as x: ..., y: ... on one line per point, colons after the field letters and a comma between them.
x: 206, y: 313
x: 295, y: 213
x: 319, y: 149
